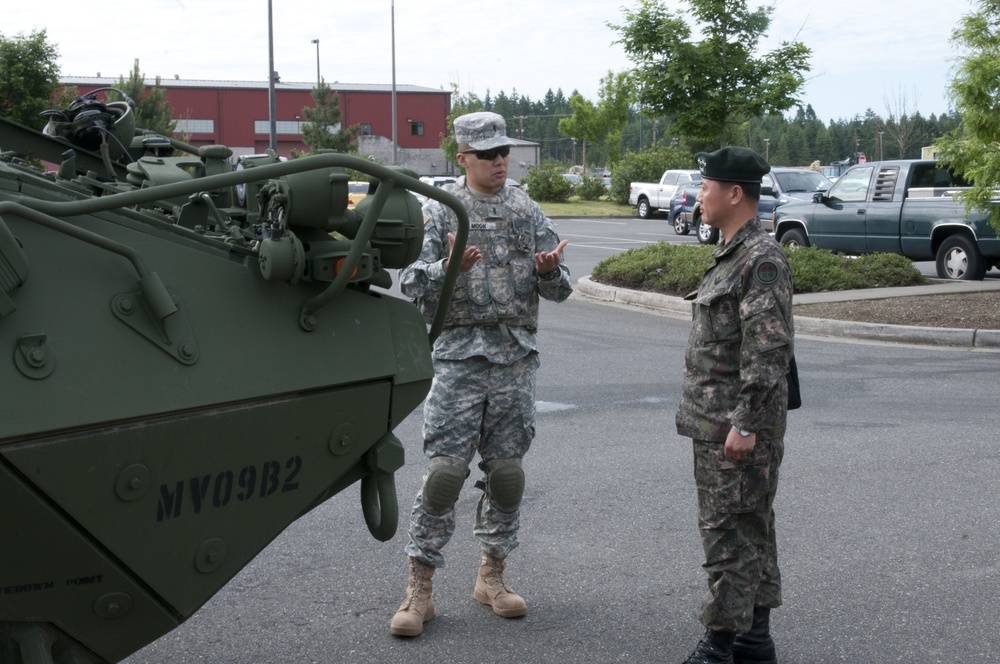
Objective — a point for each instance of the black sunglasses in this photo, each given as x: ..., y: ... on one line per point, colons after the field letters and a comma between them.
x: 489, y: 155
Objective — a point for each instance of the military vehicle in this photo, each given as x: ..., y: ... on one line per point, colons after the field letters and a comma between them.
x: 198, y: 353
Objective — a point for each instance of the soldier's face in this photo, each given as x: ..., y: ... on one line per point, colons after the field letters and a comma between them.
x: 716, y: 200
x: 486, y: 176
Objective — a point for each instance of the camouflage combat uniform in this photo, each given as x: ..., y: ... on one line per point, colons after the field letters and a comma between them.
x: 734, y: 376
x: 483, y: 395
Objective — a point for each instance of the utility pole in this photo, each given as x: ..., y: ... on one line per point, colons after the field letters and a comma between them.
x: 520, y: 125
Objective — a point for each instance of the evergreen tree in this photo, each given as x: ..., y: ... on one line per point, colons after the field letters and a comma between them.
x: 322, y: 130
x: 152, y: 110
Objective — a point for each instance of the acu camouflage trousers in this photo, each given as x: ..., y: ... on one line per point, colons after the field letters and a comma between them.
x: 474, y: 405
x: 736, y: 518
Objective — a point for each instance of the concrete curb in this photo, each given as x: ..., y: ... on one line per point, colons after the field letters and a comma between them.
x: 924, y: 336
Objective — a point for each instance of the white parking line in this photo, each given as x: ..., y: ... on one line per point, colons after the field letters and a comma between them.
x: 601, y: 237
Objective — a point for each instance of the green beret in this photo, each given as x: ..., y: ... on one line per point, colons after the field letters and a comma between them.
x: 732, y: 164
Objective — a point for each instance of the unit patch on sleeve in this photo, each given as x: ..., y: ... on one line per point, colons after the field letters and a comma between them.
x: 766, y: 271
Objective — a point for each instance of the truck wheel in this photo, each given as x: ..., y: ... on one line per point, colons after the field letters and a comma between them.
x: 794, y: 239
x: 959, y: 257
x: 707, y: 234
x: 642, y: 208
x: 680, y: 226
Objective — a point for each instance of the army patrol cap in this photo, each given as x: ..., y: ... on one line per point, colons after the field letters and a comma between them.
x: 732, y: 164
x: 482, y: 131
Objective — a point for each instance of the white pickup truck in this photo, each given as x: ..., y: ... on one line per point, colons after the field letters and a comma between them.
x: 651, y: 197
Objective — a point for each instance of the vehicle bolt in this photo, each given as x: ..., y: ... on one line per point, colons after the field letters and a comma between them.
x: 36, y: 357
x: 125, y: 306
x: 186, y: 351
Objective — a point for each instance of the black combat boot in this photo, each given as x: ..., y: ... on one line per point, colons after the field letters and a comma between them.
x: 756, y: 646
x: 714, y: 648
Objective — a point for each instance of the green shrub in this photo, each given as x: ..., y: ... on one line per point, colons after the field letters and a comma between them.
x: 545, y: 182
x: 674, y: 269
x: 590, y: 188
x: 677, y: 269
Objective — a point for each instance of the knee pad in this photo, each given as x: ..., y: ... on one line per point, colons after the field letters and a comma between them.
x: 506, y: 484
x: 444, y: 483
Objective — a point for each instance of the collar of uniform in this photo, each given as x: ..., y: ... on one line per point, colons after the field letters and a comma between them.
x: 725, y: 248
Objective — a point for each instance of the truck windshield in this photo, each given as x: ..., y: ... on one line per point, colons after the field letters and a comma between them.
x: 804, y: 181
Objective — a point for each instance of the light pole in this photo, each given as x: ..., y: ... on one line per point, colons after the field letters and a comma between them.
x: 767, y: 148
x: 393, y: 21
x: 270, y: 78
x: 318, y: 79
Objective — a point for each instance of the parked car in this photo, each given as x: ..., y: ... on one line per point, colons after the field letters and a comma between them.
x: 787, y: 185
x: 355, y: 192
x: 573, y: 179
x: 651, y: 197
x: 779, y: 187
x: 437, y: 181
x: 906, y: 207
x: 682, y: 206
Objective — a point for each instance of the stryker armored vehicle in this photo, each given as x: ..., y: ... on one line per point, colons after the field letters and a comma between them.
x: 197, y: 354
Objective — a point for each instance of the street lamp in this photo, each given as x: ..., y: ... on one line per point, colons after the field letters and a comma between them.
x: 392, y: 15
x: 318, y: 79
x: 273, y: 119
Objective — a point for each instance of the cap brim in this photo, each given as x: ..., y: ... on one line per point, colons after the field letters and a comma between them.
x: 489, y: 144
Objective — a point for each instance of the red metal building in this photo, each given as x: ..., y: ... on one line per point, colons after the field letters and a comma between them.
x: 236, y: 113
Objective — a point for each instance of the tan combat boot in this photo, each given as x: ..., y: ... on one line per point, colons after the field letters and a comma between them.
x: 417, y: 607
x: 493, y: 590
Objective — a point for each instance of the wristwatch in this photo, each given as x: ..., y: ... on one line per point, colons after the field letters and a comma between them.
x: 744, y: 432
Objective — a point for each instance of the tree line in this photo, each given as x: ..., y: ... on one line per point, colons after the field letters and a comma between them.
x: 796, y: 138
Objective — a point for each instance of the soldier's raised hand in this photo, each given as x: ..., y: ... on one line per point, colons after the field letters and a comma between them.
x: 469, y: 257
x: 546, y: 261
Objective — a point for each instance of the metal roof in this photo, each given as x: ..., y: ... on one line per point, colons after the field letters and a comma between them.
x: 104, y: 81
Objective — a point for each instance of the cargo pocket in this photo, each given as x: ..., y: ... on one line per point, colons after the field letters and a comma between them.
x: 733, y: 487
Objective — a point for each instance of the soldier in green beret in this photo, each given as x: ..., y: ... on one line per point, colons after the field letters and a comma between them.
x: 734, y: 406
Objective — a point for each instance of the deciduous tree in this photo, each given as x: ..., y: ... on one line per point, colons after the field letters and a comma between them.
x: 710, y: 87
x: 971, y: 149
x: 28, y: 77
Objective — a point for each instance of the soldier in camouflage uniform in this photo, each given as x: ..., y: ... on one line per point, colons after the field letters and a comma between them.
x: 483, y: 395
x: 734, y: 407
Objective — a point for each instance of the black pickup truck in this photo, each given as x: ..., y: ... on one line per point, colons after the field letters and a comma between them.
x: 901, y: 207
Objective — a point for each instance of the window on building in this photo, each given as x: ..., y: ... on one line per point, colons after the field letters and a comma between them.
x: 417, y: 128
x: 280, y: 126
x: 189, y: 126
x: 366, y: 130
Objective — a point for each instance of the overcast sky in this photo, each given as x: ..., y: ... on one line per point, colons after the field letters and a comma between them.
x: 864, y: 51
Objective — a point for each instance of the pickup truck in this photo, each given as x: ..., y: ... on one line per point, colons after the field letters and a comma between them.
x: 901, y: 207
x: 651, y: 197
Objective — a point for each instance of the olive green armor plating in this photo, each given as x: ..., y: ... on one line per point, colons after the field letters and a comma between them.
x: 197, y: 354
